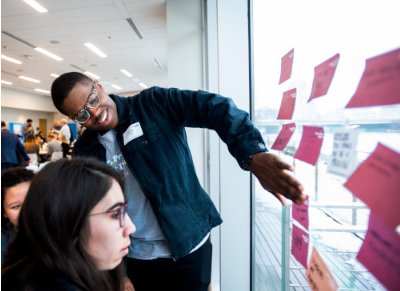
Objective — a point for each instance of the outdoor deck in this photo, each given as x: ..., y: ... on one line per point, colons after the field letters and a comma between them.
x: 349, y: 274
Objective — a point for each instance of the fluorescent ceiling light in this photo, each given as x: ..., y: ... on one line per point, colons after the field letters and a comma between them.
x: 43, y: 91
x: 11, y: 59
x: 95, y: 50
x: 54, y: 75
x: 49, y: 54
x: 90, y: 74
x: 116, y: 87
x: 36, y: 6
x: 143, y: 85
x: 29, y: 79
x: 6, y: 82
x: 126, y: 73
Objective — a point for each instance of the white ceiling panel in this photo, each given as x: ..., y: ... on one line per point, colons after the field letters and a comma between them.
x: 68, y: 24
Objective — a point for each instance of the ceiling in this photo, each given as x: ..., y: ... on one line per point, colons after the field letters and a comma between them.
x: 69, y: 24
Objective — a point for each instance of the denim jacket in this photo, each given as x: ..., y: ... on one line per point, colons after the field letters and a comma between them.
x: 161, y: 160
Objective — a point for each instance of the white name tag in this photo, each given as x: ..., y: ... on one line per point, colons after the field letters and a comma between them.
x: 132, y: 132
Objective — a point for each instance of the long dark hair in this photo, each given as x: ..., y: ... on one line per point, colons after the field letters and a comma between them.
x: 10, y: 178
x: 54, y: 221
x: 63, y: 85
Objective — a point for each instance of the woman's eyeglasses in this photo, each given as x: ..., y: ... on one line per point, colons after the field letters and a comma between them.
x: 92, y: 101
x: 120, y: 213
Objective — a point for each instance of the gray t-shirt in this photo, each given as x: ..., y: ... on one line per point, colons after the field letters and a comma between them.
x: 148, y: 241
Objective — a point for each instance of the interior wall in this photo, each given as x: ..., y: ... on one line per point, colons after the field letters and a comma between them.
x: 185, y: 63
x: 18, y: 106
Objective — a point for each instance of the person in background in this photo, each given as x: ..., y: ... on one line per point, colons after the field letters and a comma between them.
x: 27, y: 129
x: 65, y: 130
x: 65, y: 145
x: 14, y: 187
x: 53, y: 145
x: 144, y: 137
x: 12, y: 149
x: 56, y: 125
x: 31, y: 146
x: 73, y: 230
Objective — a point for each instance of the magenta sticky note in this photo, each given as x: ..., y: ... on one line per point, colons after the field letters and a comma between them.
x: 287, y: 104
x: 286, y: 66
x: 380, y: 81
x: 310, y: 144
x: 380, y: 253
x: 323, y: 75
x: 284, y: 136
x: 300, y: 213
x: 376, y: 183
x: 300, y: 241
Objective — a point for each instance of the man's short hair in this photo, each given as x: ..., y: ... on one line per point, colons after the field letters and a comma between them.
x: 29, y: 120
x: 3, y: 124
x: 63, y: 85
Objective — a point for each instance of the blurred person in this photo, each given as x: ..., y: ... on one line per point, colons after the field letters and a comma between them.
x: 65, y: 145
x: 12, y: 150
x: 14, y: 187
x: 73, y: 232
x: 65, y: 130
x: 144, y: 137
x: 27, y: 129
x: 53, y: 145
x: 56, y: 125
x: 31, y: 146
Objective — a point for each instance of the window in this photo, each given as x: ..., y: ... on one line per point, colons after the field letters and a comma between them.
x: 317, y: 30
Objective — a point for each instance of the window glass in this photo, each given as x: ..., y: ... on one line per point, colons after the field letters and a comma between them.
x: 318, y: 30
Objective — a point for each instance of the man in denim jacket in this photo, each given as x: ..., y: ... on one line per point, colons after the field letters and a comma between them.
x: 144, y: 137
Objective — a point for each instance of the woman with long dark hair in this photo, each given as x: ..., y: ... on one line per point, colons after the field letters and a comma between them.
x: 73, y: 230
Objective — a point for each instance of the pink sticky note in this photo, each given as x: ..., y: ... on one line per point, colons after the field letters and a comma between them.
x: 323, y: 75
x: 284, y: 136
x: 286, y: 66
x: 287, y: 104
x: 310, y: 144
x: 380, y: 253
x: 376, y: 182
x: 380, y: 82
x: 300, y: 213
x: 318, y: 275
x: 300, y: 245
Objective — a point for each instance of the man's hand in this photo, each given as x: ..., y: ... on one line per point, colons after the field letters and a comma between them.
x: 272, y: 173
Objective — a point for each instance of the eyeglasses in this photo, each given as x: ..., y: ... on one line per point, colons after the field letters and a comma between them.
x: 92, y: 101
x: 119, y: 213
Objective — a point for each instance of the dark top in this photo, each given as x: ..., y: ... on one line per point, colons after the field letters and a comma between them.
x: 160, y: 158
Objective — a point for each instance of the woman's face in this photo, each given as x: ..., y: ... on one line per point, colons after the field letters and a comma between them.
x: 13, y: 200
x: 107, y: 241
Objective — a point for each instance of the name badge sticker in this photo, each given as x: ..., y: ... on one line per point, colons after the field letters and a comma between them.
x: 132, y: 132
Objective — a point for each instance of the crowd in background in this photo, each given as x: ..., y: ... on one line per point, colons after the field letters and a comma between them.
x: 33, y: 147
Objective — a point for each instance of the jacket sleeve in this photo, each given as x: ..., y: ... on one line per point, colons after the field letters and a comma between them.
x: 22, y: 151
x: 207, y: 110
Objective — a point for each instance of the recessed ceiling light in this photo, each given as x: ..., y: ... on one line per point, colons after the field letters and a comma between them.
x: 12, y: 60
x: 49, y: 54
x: 126, y: 73
x: 29, y: 79
x: 36, y: 6
x: 116, y: 87
x: 42, y: 91
x: 90, y: 74
x: 143, y: 85
x: 94, y: 49
x: 6, y: 82
x: 54, y: 75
